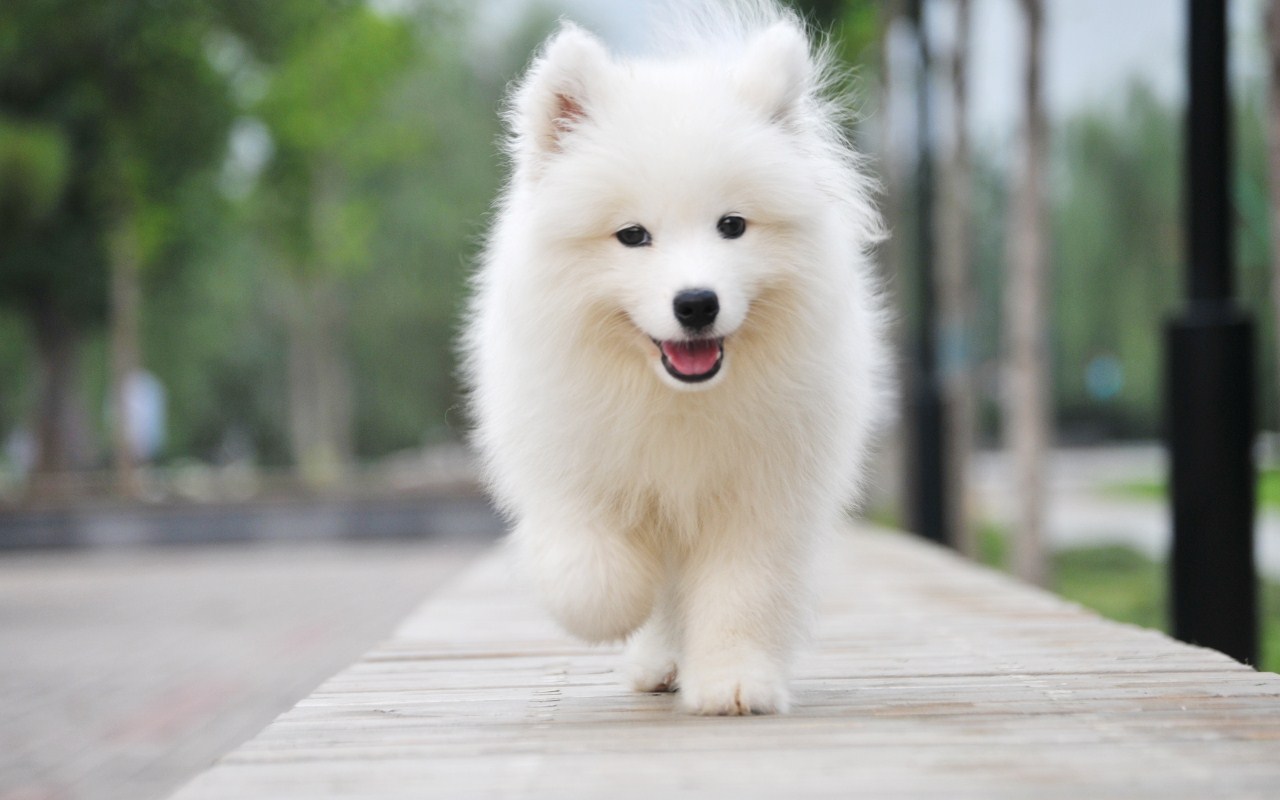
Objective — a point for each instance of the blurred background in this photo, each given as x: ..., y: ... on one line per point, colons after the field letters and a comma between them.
x: 234, y: 242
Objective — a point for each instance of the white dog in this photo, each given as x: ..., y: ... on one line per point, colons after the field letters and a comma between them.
x: 675, y: 350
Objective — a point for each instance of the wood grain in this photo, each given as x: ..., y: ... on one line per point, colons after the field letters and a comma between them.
x: 926, y: 677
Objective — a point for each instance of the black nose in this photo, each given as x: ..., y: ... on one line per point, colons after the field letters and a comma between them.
x: 696, y: 308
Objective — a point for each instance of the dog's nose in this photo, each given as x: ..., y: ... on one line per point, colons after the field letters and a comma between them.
x: 696, y: 308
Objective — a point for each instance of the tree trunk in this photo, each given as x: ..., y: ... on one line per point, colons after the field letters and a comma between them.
x: 320, y: 419
x: 1273, y: 160
x: 1026, y: 413
x: 319, y: 382
x: 956, y: 292
x: 60, y: 427
x: 125, y: 354
x: 893, y: 253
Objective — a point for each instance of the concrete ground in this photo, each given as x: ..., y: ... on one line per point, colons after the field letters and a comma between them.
x: 124, y: 672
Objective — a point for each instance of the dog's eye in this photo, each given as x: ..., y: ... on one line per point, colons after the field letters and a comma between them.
x: 731, y: 226
x: 634, y: 236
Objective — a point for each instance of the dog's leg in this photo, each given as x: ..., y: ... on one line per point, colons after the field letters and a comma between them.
x: 654, y: 650
x: 744, y: 596
x: 597, y: 582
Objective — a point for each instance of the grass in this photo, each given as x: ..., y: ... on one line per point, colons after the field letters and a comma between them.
x: 1268, y: 489
x: 1122, y: 584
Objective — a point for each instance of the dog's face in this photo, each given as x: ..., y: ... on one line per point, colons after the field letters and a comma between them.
x: 673, y: 193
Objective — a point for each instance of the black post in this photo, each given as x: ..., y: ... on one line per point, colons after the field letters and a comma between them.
x: 1209, y: 378
x: 927, y: 510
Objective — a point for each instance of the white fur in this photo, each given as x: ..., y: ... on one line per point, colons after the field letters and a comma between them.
x: 679, y: 515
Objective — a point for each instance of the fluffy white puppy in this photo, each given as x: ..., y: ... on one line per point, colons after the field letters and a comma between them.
x: 675, y: 350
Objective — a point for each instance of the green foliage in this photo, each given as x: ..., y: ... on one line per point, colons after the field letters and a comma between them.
x: 34, y: 169
x: 128, y: 109
x: 323, y: 93
x: 821, y: 12
x: 324, y: 109
x: 993, y: 546
x: 1253, y: 249
x: 15, y: 367
x: 382, y: 167
x: 1116, y: 581
x: 212, y: 337
x: 854, y: 27
x: 859, y: 35
x: 413, y: 168
x: 434, y: 216
x: 1270, y: 636
x: 1268, y: 489
x: 126, y: 84
x: 113, y: 123
x: 1116, y: 260
x: 269, y: 31
x: 1116, y: 226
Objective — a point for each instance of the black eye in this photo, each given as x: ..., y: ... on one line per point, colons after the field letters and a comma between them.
x: 634, y: 236
x: 731, y: 226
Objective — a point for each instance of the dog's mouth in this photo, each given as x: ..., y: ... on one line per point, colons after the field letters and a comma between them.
x: 692, y: 360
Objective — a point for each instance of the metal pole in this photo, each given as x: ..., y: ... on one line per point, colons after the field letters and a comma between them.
x: 1210, y: 378
x: 927, y: 497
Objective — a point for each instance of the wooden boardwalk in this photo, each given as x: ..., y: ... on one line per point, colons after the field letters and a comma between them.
x: 927, y: 677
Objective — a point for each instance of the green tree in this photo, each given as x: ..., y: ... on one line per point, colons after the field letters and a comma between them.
x: 217, y: 331
x: 323, y: 107
x: 124, y: 94
x: 34, y: 176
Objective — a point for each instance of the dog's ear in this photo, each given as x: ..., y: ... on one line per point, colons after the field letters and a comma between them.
x: 776, y: 70
x: 556, y: 93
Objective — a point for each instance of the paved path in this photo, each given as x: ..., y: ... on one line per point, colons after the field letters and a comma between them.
x: 927, y: 677
x: 1082, y: 511
x: 123, y: 672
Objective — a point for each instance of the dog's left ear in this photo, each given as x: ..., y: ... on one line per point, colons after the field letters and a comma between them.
x: 776, y: 70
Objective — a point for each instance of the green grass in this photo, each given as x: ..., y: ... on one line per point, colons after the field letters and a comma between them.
x: 1122, y: 584
x: 1268, y: 489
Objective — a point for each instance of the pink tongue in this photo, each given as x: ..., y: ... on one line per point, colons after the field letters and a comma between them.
x: 692, y: 358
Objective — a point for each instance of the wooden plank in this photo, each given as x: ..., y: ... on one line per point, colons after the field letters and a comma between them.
x: 927, y: 677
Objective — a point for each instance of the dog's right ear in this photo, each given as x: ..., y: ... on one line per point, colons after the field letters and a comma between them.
x: 556, y: 94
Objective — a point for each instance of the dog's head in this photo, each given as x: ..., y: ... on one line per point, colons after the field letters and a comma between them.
x: 687, y: 195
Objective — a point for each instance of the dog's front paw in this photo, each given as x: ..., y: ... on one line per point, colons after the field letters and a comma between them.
x: 734, y: 694
x: 599, y: 585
